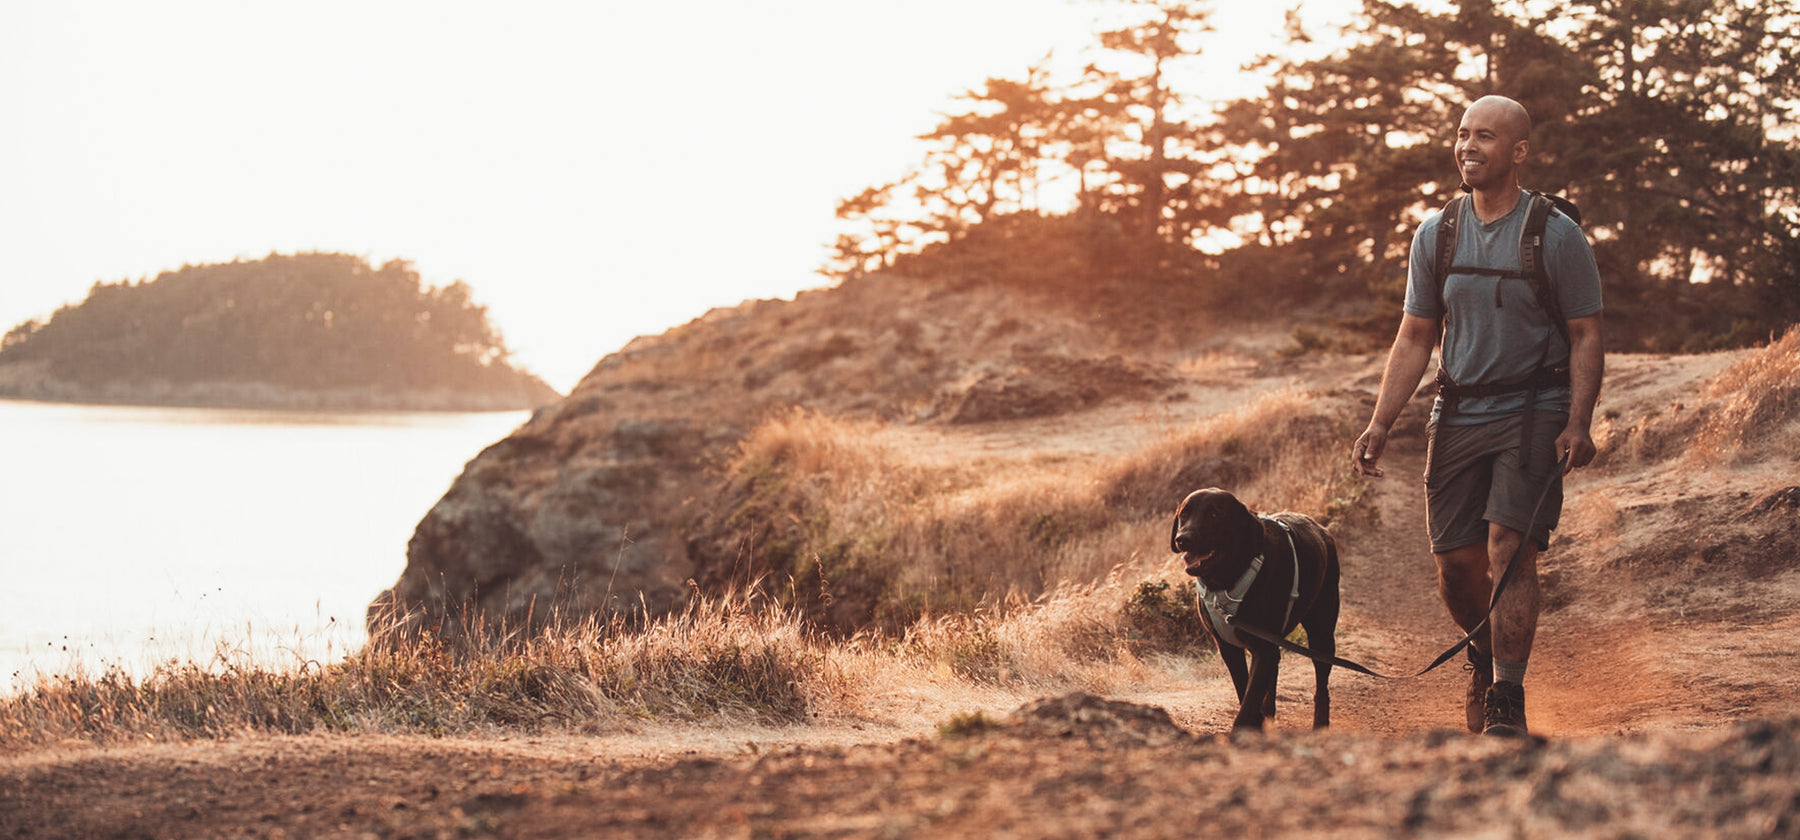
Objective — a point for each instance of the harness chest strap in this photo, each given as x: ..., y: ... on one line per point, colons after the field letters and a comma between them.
x: 1222, y: 607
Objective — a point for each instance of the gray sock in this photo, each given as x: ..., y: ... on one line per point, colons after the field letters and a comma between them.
x: 1512, y: 672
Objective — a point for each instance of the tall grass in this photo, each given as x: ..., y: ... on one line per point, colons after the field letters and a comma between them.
x: 1752, y: 401
x: 718, y: 658
x: 732, y: 660
x: 861, y: 525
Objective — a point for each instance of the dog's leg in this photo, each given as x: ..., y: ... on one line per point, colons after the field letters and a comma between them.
x: 1233, y: 657
x: 1321, y: 635
x: 1274, y: 677
x: 1259, y: 695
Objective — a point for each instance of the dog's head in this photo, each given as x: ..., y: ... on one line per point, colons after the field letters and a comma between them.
x: 1217, y: 535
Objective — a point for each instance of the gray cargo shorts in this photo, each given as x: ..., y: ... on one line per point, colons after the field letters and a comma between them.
x: 1475, y: 475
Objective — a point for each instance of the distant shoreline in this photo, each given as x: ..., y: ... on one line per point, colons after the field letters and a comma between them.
x: 30, y: 382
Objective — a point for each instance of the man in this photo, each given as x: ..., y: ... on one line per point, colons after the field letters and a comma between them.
x: 1517, y: 397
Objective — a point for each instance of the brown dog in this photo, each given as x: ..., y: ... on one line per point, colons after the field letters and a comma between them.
x: 1296, y: 584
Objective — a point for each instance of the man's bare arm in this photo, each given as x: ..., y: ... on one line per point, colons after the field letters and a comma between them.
x: 1587, y: 366
x: 1406, y: 364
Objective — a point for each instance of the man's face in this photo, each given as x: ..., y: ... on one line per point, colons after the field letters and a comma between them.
x: 1488, y: 147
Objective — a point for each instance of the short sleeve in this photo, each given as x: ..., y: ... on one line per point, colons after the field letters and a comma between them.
x: 1422, y: 299
x: 1570, y: 261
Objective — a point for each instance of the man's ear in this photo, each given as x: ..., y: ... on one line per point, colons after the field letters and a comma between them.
x: 1521, y: 150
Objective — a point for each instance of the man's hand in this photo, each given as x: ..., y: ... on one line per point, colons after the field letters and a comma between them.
x: 1366, y: 454
x: 1406, y: 363
x: 1576, y: 444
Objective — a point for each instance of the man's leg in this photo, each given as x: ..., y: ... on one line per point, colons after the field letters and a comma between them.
x: 1514, y: 626
x: 1515, y: 620
x: 1467, y: 587
x: 1464, y: 585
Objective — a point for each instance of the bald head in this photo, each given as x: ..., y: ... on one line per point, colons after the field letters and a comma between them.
x: 1505, y: 113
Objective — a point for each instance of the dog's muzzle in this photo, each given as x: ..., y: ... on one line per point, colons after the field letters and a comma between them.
x: 1187, y: 546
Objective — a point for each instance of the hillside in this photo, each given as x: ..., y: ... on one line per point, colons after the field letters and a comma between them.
x: 832, y: 446
x: 892, y: 453
x: 615, y: 492
x: 287, y: 331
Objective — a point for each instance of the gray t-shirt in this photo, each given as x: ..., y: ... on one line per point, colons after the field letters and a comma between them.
x: 1494, y: 330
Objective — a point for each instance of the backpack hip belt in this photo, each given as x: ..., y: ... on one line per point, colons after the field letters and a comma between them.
x: 1542, y: 379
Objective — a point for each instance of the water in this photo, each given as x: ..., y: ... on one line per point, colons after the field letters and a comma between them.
x: 130, y: 537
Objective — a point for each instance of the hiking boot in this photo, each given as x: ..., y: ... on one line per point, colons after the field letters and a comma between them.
x: 1506, y: 710
x: 1481, y: 675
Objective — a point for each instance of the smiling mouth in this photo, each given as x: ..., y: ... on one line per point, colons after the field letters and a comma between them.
x: 1194, y: 560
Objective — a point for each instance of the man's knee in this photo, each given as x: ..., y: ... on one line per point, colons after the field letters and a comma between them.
x: 1462, y: 563
x: 1500, y: 536
x: 1503, y: 546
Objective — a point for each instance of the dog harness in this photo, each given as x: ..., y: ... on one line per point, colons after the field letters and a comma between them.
x: 1222, y: 607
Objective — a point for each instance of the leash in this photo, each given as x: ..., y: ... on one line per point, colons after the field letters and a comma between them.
x: 1499, y: 587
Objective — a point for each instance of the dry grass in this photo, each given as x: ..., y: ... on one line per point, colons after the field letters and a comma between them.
x: 1748, y: 411
x: 732, y: 660
x: 844, y: 510
x: 1594, y: 515
x: 1753, y: 401
x: 719, y: 658
x: 1283, y: 451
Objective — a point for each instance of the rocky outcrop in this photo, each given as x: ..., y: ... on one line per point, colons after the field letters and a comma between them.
x: 583, y: 510
x: 1039, y: 384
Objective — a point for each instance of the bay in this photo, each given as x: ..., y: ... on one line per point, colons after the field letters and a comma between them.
x: 133, y: 537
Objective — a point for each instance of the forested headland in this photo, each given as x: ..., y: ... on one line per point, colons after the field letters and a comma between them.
x: 1119, y: 180
x: 308, y: 330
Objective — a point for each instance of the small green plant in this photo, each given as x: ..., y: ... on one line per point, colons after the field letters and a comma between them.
x: 1161, y: 617
x: 1351, y: 502
x: 967, y: 725
x: 976, y: 655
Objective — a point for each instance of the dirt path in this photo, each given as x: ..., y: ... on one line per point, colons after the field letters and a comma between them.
x: 1079, y: 767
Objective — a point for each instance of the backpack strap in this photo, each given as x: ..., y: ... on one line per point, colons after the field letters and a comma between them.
x: 1448, y: 222
x: 1531, y: 258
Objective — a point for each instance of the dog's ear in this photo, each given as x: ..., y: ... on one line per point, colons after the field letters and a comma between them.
x: 1175, y: 526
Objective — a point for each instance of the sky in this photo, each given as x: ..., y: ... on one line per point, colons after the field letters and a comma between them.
x: 594, y: 170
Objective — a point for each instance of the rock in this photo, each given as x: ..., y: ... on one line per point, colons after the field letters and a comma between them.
x: 1097, y: 719
x: 1040, y: 384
